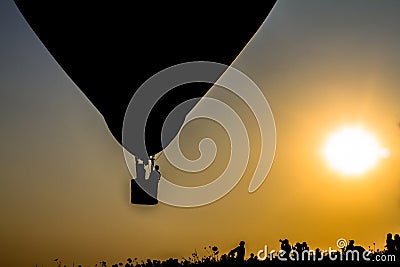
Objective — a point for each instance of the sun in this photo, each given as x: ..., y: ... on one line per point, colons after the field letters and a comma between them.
x: 353, y: 151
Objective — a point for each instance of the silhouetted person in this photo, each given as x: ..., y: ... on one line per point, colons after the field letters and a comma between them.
x: 144, y: 191
x: 152, y: 158
x: 239, y: 251
x: 157, y: 168
x: 224, y: 258
x: 286, y: 247
x: 353, y: 247
x: 305, y: 246
x: 390, y: 244
x: 318, y: 254
x: 397, y: 245
x: 350, y: 246
x: 152, y: 183
x: 140, y: 172
x: 252, y: 258
x: 299, y: 248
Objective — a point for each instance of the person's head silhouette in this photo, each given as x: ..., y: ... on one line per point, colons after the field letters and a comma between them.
x: 157, y: 168
x: 241, y: 243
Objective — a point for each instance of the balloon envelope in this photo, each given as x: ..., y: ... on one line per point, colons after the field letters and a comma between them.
x: 109, y: 49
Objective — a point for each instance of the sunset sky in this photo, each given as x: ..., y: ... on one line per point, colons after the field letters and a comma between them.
x: 322, y: 66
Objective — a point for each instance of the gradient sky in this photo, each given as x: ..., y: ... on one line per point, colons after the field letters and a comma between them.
x: 64, y: 186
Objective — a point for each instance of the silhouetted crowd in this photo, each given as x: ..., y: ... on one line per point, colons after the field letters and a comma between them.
x: 393, y: 244
x: 290, y: 254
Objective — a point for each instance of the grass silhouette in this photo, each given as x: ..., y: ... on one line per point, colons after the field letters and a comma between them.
x: 346, y: 256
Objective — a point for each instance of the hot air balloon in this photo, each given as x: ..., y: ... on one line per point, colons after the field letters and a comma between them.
x: 109, y: 49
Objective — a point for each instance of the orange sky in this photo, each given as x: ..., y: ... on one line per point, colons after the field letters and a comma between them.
x: 65, y: 186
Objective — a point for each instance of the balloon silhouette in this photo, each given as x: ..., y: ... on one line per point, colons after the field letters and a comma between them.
x: 110, y: 49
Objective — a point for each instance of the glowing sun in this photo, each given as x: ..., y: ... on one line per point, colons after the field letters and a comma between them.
x: 353, y: 151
